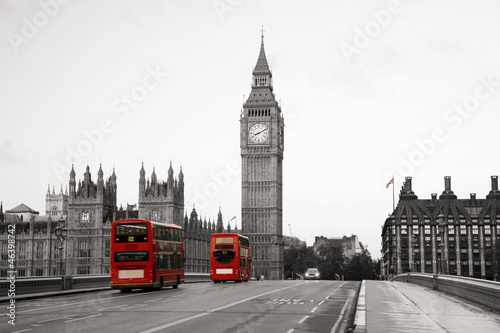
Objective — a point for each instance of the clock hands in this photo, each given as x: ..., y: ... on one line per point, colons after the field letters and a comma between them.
x: 255, y: 134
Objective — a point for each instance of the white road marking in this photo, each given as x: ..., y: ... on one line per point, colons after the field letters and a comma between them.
x: 321, y: 302
x: 76, y: 319
x: 154, y: 329
x: 302, y: 320
x: 342, y: 311
x: 63, y: 317
x: 312, y: 311
x: 133, y: 307
x: 75, y: 303
x: 29, y: 329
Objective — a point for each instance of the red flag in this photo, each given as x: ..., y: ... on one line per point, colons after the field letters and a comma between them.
x: 390, y: 182
x: 233, y: 218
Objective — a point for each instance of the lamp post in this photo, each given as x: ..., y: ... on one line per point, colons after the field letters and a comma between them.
x: 61, y: 233
x: 442, y: 227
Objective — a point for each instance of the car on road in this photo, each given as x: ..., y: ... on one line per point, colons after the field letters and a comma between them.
x: 312, y: 274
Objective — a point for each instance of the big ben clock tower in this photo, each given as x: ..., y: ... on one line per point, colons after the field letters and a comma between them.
x: 262, y: 144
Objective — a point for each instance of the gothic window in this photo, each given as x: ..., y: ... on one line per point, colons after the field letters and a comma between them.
x: 39, y: 250
x: 85, y: 217
x: 4, y: 251
x: 53, y: 211
x: 83, y: 248
x: 154, y: 215
x: 22, y: 250
x: 107, y: 248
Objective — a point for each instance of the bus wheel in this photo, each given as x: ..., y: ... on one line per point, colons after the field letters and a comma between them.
x: 161, y: 284
x: 177, y: 283
x: 125, y: 290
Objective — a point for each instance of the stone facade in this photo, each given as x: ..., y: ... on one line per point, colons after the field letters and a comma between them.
x: 262, y: 145
x: 465, y: 245
x: 87, y: 212
x: 350, y: 245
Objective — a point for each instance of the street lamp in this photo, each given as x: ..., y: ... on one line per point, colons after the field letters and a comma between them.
x: 61, y: 233
x: 442, y: 227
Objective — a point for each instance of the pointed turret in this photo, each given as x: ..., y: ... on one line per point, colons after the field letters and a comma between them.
x: 113, y: 177
x: 100, y: 179
x: 48, y: 191
x: 100, y: 174
x: 262, y: 67
x: 72, y: 181
x: 170, y: 174
x: 181, y: 178
x: 220, y: 225
x: 262, y: 85
x: 1, y: 212
x: 142, y: 181
x: 142, y: 173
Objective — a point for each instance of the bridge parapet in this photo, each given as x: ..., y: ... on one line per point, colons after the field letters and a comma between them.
x: 39, y: 284
x: 483, y: 292
x: 27, y: 285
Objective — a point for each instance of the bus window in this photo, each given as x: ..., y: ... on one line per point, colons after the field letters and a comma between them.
x: 131, y: 256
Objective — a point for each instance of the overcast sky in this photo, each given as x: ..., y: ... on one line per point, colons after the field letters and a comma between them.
x: 368, y: 89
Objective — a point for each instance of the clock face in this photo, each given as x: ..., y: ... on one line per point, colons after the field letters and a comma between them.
x: 258, y: 133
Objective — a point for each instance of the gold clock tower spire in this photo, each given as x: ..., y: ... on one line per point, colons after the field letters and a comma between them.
x: 262, y: 145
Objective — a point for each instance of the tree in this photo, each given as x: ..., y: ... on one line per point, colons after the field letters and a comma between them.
x: 298, y: 260
x: 362, y: 267
x: 331, y: 262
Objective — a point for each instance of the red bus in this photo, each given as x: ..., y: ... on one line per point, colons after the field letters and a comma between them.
x: 146, y: 254
x: 230, y: 258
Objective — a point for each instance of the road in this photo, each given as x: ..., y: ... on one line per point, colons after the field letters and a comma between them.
x: 256, y: 306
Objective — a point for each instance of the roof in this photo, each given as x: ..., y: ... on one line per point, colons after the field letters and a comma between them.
x: 262, y: 67
x: 22, y: 208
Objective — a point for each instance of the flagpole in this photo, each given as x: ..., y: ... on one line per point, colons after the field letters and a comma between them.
x: 393, y: 193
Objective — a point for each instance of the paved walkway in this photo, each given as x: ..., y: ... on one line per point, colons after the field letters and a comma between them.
x: 385, y: 306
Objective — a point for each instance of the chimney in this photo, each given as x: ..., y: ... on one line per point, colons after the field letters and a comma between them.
x: 433, y: 196
x: 494, y: 183
x: 407, y: 184
x: 447, y: 183
x: 473, y: 196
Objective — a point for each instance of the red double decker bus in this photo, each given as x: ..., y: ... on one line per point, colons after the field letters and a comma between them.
x: 146, y: 254
x: 230, y: 258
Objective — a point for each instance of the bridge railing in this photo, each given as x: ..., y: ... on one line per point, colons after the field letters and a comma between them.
x: 483, y: 292
x: 27, y: 285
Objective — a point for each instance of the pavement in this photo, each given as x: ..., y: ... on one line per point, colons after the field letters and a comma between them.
x: 385, y: 306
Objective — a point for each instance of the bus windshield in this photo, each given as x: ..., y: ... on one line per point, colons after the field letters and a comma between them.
x: 224, y: 257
